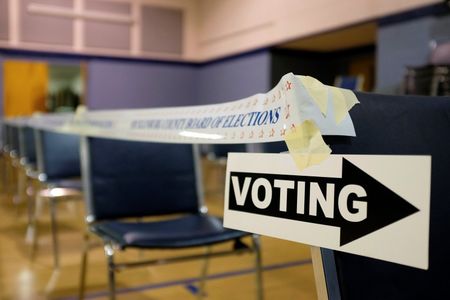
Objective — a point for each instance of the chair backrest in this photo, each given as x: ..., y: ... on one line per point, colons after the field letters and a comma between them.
x: 57, y: 154
x: 12, y: 138
x: 27, y: 147
x: 274, y: 147
x: 4, y: 133
x: 134, y: 179
x: 222, y: 150
x: 399, y: 125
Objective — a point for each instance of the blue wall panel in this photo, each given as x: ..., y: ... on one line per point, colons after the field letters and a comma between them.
x: 398, y: 46
x: 128, y: 84
x: 234, y: 78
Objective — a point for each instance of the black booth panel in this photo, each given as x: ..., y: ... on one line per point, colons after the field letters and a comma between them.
x: 402, y: 125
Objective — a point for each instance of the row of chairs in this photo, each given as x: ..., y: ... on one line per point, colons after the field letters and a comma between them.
x: 46, y: 166
x: 117, y: 175
x: 127, y: 187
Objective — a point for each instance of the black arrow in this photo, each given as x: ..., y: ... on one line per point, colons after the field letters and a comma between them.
x: 384, y: 206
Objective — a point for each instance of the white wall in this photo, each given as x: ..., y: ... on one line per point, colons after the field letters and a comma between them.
x: 219, y: 28
x: 233, y: 26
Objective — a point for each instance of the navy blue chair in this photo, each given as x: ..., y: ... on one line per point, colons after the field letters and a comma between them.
x: 59, y: 177
x: 27, y: 147
x: 12, y: 132
x: 124, y: 179
x: 11, y: 158
x: 398, y: 125
x: 216, y: 156
x: 220, y: 151
x: 26, y: 161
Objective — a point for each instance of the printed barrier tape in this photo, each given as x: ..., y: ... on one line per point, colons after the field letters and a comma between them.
x: 299, y: 110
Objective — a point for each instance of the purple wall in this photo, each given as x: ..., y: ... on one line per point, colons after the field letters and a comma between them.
x: 234, y: 78
x: 128, y: 84
x: 398, y: 46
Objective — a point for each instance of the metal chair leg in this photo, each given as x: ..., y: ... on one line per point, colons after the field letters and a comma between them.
x: 32, y: 230
x: 8, y: 176
x: 109, y: 251
x: 29, y: 236
x: 21, y: 183
x: 204, y: 274
x: 84, y: 261
x: 54, y: 227
x: 258, y: 267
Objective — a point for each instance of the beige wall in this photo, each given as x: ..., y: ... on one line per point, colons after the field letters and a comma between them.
x: 218, y: 28
x: 233, y: 26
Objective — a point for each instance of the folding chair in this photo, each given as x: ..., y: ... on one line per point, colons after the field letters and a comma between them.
x: 124, y: 179
x: 28, y: 175
x: 406, y: 125
x: 217, y: 160
x: 11, y: 159
x: 27, y: 147
x: 26, y: 162
x: 58, y: 167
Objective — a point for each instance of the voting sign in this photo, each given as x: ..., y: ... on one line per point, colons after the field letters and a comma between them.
x: 371, y: 205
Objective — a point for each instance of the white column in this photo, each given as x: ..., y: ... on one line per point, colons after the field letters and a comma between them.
x: 136, y: 27
x: 14, y: 22
x: 78, y: 26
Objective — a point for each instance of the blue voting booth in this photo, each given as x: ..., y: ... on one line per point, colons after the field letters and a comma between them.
x: 394, y: 125
x: 398, y: 125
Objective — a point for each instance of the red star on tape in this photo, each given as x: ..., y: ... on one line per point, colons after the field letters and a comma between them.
x: 292, y: 127
x: 287, y: 111
x: 261, y: 133
x: 288, y: 85
x: 272, y: 132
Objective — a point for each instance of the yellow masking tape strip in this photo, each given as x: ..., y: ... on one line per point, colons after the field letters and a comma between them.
x: 306, y: 145
x: 343, y: 101
x: 317, y: 90
x: 305, y: 142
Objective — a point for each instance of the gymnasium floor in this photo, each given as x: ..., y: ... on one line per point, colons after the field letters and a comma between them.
x: 287, y: 273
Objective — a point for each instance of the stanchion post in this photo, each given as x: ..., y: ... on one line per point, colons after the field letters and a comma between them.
x: 319, y: 273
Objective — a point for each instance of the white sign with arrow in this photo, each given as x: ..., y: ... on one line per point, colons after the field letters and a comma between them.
x: 372, y: 205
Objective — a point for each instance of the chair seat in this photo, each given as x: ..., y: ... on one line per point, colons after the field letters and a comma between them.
x: 72, y: 183
x: 186, y: 231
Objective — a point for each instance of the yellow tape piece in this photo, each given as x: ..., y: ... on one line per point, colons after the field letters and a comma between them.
x: 306, y: 145
x: 317, y: 90
x: 305, y: 142
x: 343, y: 101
